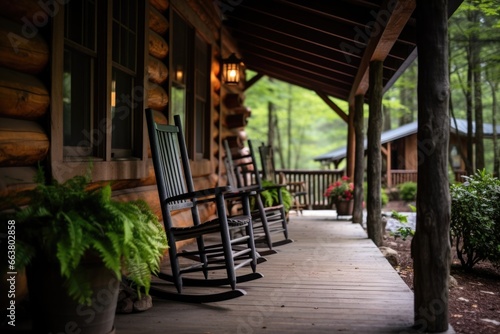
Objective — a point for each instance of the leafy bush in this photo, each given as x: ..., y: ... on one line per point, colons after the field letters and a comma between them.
x: 404, y: 231
x: 408, y: 191
x: 475, y: 219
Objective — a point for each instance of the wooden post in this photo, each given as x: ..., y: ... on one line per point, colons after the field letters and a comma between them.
x: 374, y: 155
x: 431, y: 244
x: 350, y: 157
x: 388, y: 159
x: 359, y: 166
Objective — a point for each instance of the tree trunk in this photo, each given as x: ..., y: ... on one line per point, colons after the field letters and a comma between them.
x: 359, y: 166
x: 431, y: 244
x: 494, y: 107
x: 468, y: 100
x: 475, y: 47
x: 375, y: 121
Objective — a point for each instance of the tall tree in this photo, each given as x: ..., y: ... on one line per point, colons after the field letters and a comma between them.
x: 431, y: 245
x: 474, y: 50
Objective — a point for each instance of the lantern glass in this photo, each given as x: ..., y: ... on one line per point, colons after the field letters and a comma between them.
x: 231, y: 70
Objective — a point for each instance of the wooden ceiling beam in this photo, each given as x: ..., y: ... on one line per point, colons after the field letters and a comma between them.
x: 381, y: 41
x: 333, y: 106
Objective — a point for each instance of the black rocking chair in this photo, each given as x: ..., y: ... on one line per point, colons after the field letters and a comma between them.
x: 266, y: 220
x: 176, y: 192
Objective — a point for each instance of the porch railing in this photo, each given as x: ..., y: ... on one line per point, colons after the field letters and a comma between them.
x: 399, y: 176
x: 316, y: 182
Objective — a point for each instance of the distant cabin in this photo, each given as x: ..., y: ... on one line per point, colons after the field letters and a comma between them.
x: 399, y: 147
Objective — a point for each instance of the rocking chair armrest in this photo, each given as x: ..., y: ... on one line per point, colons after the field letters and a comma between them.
x: 209, y: 192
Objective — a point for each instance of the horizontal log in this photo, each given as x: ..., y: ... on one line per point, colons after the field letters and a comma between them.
x: 215, y: 66
x: 14, y: 181
x: 215, y: 82
x: 215, y: 99
x: 233, y: 100
x: 157, y: 97
x: 158, y: 47
x: 157, y: 70
x: 22, y: 95
x: 161, y: 5
x: 241, y: 111
x: 28, y: 55
x: 157, y: 21
x: 22, y: 143
x: 23, y: 9
x: 236, y: 121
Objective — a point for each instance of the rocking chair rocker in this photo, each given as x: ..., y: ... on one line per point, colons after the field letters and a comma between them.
x: 176, y: 192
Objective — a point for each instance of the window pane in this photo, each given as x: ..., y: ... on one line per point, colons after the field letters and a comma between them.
x: 125, y: 33
x: 76, y: 100
x: 79, y: 22
x: 122, y: 111
x: 179, y: 103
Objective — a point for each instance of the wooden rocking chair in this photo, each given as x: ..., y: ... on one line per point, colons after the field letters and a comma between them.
x: 176, y: 192
x: 297, y: 189
x: 266, y: 220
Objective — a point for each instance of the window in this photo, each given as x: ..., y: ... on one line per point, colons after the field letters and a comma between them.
x: 190, y: 90
x: 101, y: 63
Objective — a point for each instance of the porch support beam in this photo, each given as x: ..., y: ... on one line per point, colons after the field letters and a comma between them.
x: 333, y: 106
x: 374, y: 155
x: 359, y: 161
x: 252, y: 81
x: 395, y: 14
x: 351, y: 144
x: 431, y: 244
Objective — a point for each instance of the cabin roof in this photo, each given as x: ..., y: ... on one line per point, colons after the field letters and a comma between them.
x: 406, y: 130
x: 322, y: 45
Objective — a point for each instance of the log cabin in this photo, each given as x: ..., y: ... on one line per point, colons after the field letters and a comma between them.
x: 400, y: 152
x: 76, y: 77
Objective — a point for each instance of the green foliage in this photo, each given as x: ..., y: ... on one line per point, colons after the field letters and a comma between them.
x: 65, y: 223
x: 404, y: 231
x: 270, y: 196
x: 475, y: 219
x: 408, y: 191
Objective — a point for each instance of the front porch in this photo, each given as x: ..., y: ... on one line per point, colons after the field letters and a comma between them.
x: 331, y: 279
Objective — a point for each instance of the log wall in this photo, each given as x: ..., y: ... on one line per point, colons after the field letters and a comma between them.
x: 25, y: 96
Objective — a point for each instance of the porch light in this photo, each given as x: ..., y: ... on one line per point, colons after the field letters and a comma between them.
x: 231, y: 70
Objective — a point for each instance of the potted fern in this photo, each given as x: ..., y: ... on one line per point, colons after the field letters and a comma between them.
x: 75, y: 244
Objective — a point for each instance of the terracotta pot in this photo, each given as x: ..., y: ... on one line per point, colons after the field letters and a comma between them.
x: 53, y: 311
x: 344, y: 208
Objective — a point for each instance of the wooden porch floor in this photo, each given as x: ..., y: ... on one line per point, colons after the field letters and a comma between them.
x: 331, y: 279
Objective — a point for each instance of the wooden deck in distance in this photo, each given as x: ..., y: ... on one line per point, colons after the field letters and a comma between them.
x: 331, y: 279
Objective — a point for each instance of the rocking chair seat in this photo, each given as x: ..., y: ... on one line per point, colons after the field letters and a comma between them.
x: 211, y: 226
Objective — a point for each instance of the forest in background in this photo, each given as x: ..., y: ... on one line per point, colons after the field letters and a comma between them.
x: 301, y: 126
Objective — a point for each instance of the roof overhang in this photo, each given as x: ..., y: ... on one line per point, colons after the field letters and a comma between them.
x: 325, y: 46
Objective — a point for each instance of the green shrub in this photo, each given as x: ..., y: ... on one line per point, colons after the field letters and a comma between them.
x: 408, y: 191
x: 475, y: 219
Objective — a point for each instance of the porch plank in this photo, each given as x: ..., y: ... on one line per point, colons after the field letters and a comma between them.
x: 331, y: 279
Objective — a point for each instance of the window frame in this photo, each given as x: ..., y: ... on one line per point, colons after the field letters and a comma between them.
x: 104, y: 166
x: 190, y: 117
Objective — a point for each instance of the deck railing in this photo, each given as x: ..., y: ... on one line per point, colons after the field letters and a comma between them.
x: 316, y: 182
x: 399, y: 176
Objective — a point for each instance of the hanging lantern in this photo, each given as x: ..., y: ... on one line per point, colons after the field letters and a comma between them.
x: 231, y: 70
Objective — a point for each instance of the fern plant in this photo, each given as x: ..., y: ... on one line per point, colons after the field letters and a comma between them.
x: 270, y: 196
x: 65, y: 223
